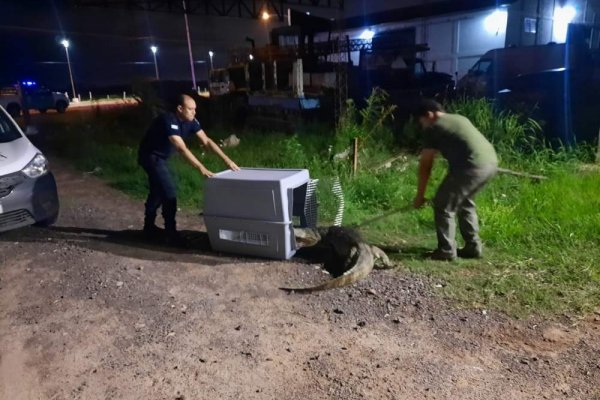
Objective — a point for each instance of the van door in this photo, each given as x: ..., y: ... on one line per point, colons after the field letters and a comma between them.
x: 478, y: 80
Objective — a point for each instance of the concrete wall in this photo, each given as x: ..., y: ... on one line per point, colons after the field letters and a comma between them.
x: 542, y: 12
x: 456, y: 42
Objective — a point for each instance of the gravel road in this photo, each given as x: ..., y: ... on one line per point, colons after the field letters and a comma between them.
x: 88, y: 310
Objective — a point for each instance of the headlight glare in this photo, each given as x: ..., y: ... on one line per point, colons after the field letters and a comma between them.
x: 38, y: 166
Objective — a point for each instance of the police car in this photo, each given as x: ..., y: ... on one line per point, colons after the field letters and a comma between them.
x: 34, y: 97
x: 28, y: 192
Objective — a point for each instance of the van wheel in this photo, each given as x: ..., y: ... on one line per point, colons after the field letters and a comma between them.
x: 14, y: 110
x: 48, y: 221
x: 61, y: 106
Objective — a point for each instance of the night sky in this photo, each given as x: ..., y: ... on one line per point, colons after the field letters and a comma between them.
x: 110, y: 47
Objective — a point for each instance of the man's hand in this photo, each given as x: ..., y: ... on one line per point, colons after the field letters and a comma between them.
x: 233, y: 166
x: 210, y: 144
x: 205, y: 171
x: 419, y: 201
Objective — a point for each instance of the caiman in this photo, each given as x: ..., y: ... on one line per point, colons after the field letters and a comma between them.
x: 351, y: 258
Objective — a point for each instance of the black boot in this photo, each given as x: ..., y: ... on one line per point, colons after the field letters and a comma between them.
x: 151, y: 231
x: 471, y: 251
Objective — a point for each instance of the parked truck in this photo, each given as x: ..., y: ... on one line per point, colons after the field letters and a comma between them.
x: 496, y: 68
x: 403, y: 75
x: 33, y: 97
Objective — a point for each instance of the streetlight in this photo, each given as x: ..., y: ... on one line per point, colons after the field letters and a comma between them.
x: 65, y: 43
x: 211, y: 54
x: 265, y: 16
x: 189, y: 42
x: 154, y: 49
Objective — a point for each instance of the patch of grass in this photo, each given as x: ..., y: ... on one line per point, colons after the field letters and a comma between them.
x: 541, y: 239
x: 541, y: 246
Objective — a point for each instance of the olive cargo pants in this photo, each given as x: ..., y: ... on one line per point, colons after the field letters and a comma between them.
x: 455, y: 197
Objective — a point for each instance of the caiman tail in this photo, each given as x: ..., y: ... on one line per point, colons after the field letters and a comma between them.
x: 363, y: 265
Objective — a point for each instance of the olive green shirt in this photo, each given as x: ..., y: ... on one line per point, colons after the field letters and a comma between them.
x: 460, y: 143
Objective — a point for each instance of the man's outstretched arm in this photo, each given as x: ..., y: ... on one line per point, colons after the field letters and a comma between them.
x: 182, y: 149
x: 210, y: 144
x: 425, y: 166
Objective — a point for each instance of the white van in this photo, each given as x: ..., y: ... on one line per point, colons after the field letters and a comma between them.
x: 28, y: 192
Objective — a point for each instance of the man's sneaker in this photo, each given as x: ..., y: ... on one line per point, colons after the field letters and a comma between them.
x: 439, y: 255
x: 175, y: 239
x: 469, y: 252
x: 152, y: 232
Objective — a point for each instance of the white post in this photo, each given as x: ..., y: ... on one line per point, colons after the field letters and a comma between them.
x: 298, y: 78
x: 90, y: 93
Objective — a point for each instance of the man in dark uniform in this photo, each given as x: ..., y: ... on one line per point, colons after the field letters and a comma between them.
x: 167, y: 133
x: 472, y: 162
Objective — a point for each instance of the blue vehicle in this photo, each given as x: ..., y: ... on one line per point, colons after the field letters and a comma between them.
x: 34, y: 98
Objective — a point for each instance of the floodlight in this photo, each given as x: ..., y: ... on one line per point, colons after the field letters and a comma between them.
x: 562, y: 18
x: 495, y: 23
x: 367, y: 34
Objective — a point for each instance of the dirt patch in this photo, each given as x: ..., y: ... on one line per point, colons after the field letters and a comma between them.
x: 90, y: 311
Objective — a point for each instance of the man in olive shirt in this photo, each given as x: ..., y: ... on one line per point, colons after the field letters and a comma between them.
x: 472, y: 162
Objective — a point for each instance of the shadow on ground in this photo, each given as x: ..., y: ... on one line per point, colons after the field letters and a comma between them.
x: 127, y: 243
x: 132, y: 243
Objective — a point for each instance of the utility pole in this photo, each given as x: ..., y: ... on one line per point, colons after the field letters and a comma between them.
x: 65, y: 43
x: 187, y: 31
x: 154, y: 49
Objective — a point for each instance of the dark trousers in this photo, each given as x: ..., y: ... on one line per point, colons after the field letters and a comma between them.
x: 455, y: 197
x: 162, y: 191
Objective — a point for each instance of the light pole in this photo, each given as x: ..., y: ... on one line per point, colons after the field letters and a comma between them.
x: 154, y: 49
x: 65, y: 43
x: 211, y: 54
x: 189, y: 42
x: 265, y: 16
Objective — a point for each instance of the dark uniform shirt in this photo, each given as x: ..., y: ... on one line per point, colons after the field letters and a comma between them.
x: 460, y: 143
x: 156, y: 140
